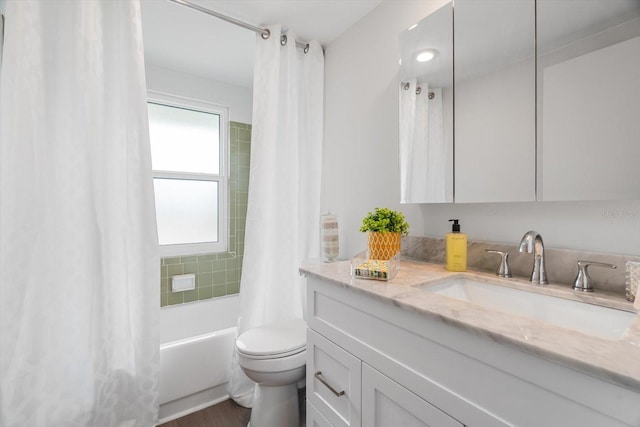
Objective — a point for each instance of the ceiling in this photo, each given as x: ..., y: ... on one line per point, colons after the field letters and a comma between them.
x: 183, y: 39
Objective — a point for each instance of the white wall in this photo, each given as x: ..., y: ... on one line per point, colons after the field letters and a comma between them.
x: 238, y: 99
x: 608, y: 226
x: 360, y: 164
x: 360, y: 168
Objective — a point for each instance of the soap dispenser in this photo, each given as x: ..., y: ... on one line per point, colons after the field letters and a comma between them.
x: 456, y: 248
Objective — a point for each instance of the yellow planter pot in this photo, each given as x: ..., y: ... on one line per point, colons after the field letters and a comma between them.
x: 384, y: 246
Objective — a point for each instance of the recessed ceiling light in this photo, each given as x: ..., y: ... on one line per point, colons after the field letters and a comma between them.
x: 412, y: 27
x: 426, y: 55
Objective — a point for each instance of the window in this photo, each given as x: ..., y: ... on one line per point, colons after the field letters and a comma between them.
x: 188, y: 155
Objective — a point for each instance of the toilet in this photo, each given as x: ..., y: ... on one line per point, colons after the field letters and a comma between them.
x: 274, y: 357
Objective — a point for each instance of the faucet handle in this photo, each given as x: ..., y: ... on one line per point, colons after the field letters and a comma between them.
x: 583, y: 281
x: 503, y: 269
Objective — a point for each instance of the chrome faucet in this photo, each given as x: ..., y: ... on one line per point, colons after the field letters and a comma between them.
x: 532, y: 243
x: 503, y: 270
x: 583, y: 281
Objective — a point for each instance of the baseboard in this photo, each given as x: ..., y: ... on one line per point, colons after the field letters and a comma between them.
x: 192, y: 403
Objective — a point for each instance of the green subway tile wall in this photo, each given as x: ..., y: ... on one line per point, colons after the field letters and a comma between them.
x: 217, y: 274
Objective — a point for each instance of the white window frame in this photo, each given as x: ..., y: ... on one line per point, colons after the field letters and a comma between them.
x: 222, y: 178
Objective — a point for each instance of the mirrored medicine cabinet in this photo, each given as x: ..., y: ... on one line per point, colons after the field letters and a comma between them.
x: 525, y: 100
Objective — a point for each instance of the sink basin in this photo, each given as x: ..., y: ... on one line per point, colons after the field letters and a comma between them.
x: 582, y: 317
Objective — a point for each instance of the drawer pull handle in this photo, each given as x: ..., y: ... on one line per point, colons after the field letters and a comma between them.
x: 318, y: 375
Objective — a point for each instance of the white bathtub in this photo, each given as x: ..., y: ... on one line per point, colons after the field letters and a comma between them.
x: 196, y: 343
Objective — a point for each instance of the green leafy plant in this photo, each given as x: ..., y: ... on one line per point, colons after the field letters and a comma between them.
x: 384, y: 220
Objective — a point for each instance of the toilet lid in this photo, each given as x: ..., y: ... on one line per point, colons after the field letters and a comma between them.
x: 277, y: 339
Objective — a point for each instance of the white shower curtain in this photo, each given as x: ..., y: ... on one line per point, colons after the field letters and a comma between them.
x: 1, y: 37
x: 422, y: 145
x: 284, y: 187
x: 436, y: 150
x: 79, y: 271
x: 407, y: 128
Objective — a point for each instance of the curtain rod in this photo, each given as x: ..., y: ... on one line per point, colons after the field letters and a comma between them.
x: 264, y: 32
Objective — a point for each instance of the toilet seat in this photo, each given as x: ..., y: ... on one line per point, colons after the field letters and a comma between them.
x: 271, y: 356
x: 273, y: 364
x: 274, y: 341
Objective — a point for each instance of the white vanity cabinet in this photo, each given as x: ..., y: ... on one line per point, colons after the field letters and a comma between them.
x: 387, y: 403
x: 351, y: 393
x: 333, y: 381
x: 391, y: 366
x: 315, y: 418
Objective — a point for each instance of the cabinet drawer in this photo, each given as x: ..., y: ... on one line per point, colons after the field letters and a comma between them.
x: 315, y: 418
x: 386, y: 403
x: 333, y: 381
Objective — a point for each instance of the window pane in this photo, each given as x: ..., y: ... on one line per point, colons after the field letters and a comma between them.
x: 187, y: 211
x: 184, y: 140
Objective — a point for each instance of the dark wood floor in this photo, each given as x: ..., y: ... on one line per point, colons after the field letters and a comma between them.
x: 225, y: 414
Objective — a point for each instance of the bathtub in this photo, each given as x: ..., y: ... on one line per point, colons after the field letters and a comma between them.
x: 196, y: 343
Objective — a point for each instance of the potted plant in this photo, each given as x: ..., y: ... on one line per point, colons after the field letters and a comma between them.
x: 385, y: 228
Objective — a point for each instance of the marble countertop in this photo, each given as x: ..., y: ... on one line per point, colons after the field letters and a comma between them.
x: 616, y: 361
